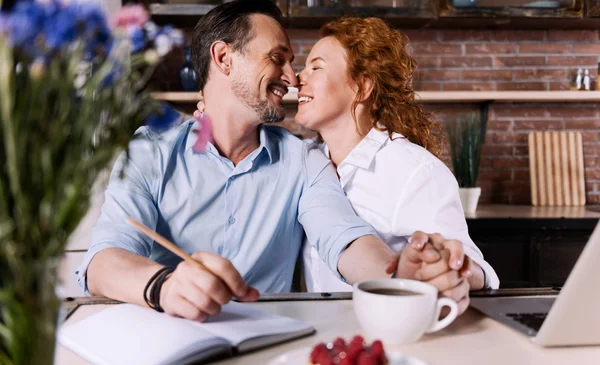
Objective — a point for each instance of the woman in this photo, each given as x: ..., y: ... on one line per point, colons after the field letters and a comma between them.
x: 356, y: 92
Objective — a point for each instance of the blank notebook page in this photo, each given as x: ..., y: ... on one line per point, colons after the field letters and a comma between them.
x: 130, y: 334
x: 238, y: 323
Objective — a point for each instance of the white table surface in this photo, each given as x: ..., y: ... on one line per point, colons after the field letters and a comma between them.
x: 471, y: 339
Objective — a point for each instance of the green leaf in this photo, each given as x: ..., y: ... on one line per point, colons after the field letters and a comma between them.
x: 6, y: 228
x: 4, y: 360
x: 465, y: 148
x: 6, y: 295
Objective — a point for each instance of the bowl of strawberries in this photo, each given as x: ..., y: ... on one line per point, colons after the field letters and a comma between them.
x: 355, y: 352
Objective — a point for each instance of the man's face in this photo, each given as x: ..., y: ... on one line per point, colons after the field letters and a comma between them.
x: 264, y: 71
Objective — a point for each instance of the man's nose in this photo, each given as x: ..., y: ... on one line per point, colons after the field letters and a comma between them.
x: 289, y: 76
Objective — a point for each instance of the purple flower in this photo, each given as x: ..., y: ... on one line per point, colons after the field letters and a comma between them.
x: 164, y: 119
x: 4, y: 23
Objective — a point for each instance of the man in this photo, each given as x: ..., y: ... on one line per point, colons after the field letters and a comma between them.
x: 241, y: 206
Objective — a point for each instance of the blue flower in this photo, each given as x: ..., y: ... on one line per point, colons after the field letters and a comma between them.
x: 164, y: 119
x: 60, y: 29
x: 151, y: 30
x: 137, y: 37
x: 79, y: 19
x: 109, y: 80
x: 25, y: 23
x: 166, y: 30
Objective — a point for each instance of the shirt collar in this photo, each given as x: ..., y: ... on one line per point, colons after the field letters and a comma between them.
x: 266, y: 142
x: 363, y: 154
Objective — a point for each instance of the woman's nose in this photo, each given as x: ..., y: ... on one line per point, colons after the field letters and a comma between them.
x: 301, y: 78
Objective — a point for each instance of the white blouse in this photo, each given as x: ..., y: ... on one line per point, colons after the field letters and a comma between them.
x: 398, y: 187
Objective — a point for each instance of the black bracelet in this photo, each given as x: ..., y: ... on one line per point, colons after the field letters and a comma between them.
x: 156, y: 288
x: 148, y: 300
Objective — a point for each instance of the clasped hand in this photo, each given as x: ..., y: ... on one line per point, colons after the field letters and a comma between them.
x: 442, y: 263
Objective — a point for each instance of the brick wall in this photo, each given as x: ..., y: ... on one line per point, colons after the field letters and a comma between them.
x: 477, y: 60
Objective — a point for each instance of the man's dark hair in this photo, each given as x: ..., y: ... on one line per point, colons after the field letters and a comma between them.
x: 231, y: 24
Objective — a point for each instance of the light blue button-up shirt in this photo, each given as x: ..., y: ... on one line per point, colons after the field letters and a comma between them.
x: 254, y: 214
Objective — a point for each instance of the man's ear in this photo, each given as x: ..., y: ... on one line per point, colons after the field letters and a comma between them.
x: 221, y: 53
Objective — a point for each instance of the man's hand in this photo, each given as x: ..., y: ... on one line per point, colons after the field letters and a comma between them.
x: 196, y: 294
x: 407, y: 262
x: 439, y: 262
x: 424, y: 248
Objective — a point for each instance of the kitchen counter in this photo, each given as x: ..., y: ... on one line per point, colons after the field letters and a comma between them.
x: 498, y: 211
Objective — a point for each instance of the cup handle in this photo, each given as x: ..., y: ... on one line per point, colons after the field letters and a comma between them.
x: 441, y: 303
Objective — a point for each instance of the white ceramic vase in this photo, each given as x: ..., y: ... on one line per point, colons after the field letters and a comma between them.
x: 469, y: 198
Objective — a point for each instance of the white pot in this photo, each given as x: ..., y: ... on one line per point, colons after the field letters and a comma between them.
x: 469, y: 198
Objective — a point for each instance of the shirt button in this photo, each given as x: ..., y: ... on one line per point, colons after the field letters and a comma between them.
x: 231, y: 220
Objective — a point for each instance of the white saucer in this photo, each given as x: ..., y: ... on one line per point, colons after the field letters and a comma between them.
x: 301, y: 357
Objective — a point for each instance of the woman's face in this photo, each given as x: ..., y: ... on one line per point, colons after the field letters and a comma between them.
x: 325, y: 92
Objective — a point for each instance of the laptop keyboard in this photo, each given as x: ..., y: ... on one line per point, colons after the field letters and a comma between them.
x: 530, y: 320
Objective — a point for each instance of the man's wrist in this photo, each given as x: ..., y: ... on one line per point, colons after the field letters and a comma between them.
x: 152, y: 291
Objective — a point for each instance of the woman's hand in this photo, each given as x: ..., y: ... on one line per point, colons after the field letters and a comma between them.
x: 200, y: 110
x: 440, y: 262
x: 450, y: 282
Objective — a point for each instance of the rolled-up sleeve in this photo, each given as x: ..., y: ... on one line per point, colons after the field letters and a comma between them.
x: 130, y: 193
x: 324, y: 212
x: 431, y: 203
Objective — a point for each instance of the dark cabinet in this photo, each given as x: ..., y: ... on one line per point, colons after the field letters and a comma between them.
x: 531, y: 252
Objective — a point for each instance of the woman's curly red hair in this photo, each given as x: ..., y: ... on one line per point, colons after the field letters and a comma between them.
x: 378, y: 53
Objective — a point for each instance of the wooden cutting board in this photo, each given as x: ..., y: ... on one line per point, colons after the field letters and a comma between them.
x: 556, y: 169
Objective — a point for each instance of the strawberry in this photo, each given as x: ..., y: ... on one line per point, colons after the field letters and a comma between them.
x: 339, y: 342
x: 366, y: 359
x: 378, y: 352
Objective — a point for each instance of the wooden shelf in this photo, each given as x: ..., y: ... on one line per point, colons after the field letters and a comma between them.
x: 441, y: 96
x: 187, y: 15
x: 180, y: 9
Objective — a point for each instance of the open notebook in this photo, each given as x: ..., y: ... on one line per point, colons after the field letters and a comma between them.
x: 129, y: 334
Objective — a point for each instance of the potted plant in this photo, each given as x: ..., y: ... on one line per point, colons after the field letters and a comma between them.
x: 465, y: 140
x: 72, y: 93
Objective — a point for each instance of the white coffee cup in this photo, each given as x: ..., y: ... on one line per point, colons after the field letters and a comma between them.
x: 400, y: 319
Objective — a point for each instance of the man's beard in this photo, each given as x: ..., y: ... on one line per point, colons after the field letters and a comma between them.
x: 267, y: 113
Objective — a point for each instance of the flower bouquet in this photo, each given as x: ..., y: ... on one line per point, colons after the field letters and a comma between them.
x: 72, y: 94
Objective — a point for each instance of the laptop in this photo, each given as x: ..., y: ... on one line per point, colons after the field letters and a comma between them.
x: 572, y: 318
